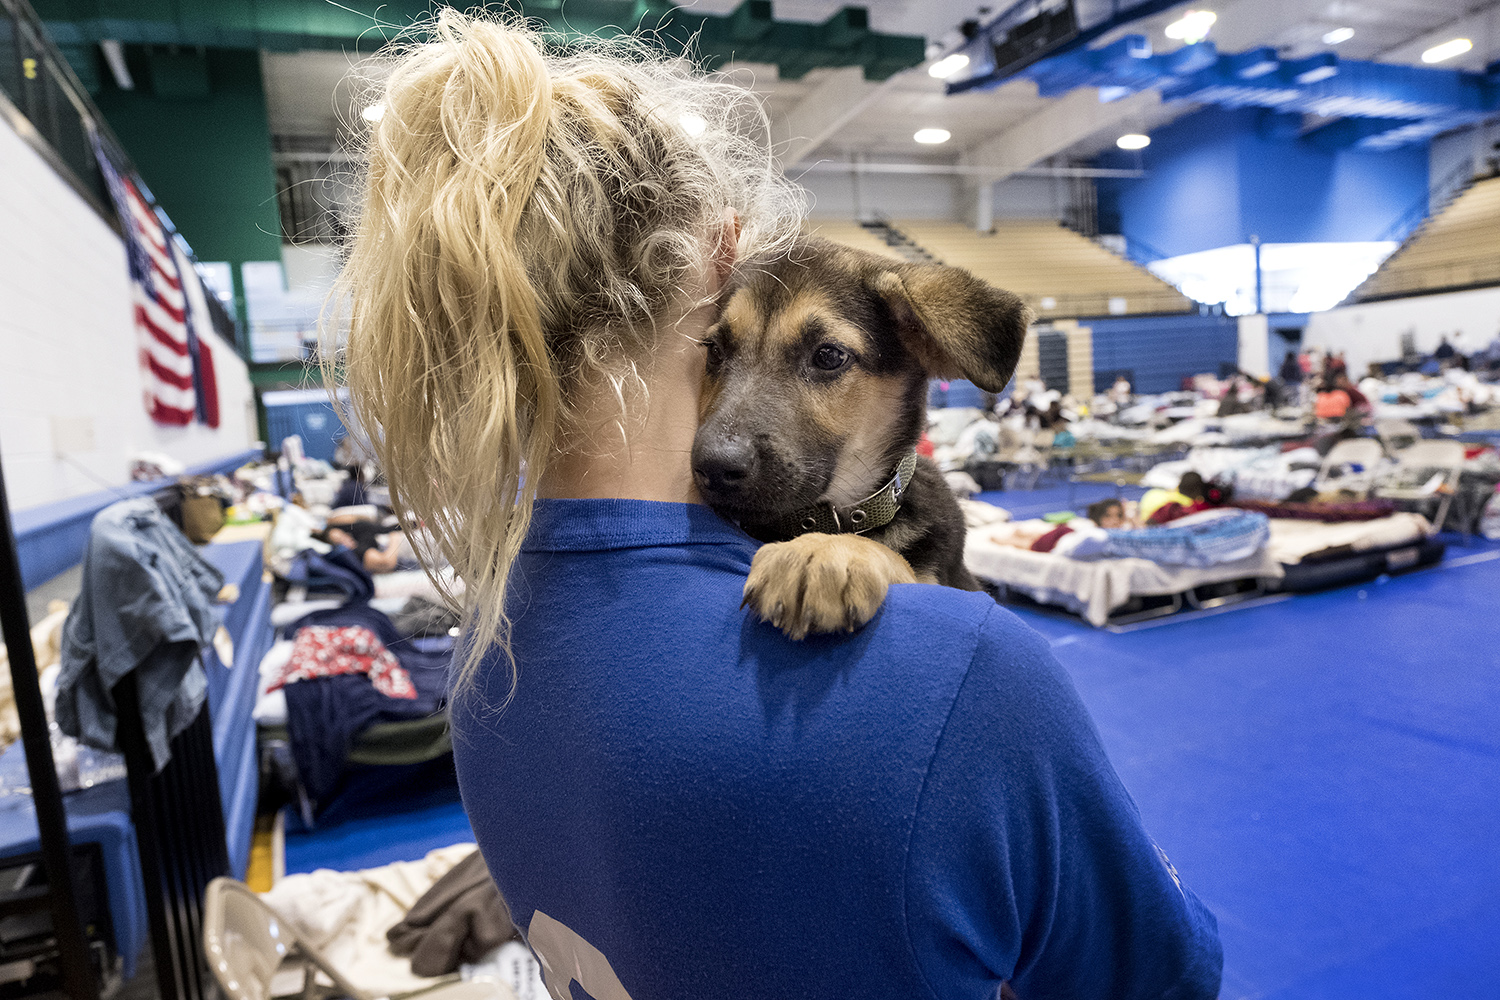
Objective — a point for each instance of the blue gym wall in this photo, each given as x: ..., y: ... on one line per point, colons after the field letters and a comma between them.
x: 314, y: 419
x: 1218, y: 176
x: 1159, y: 351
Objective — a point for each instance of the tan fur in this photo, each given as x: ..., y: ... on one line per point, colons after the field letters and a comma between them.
x: 862, y: 405
x: 941, y: 321
x: 930, y: 303
x: 871, y: 409
x: 822, y: 583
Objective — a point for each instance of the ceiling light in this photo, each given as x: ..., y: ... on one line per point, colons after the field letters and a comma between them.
x: 1192, y: 27
x: 1447, y: 50
x: 1133, y: 140
x: 1338, y: 35
x: 373, y: 113
x: 932, y: 136
x: 948, y: 66
x: 693, y: 125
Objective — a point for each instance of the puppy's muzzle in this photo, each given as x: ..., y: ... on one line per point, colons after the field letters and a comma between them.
x: 724, y: 467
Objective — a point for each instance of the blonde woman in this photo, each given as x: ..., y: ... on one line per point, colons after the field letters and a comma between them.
x: 676, y: 800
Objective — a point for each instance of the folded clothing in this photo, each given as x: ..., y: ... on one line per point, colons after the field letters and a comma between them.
x: 462, y: 918
x: 270, y: 706
x: 339, y: 569
x: 425, y: 617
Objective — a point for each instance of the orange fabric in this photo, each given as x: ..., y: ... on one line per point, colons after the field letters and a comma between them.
x: 1331, y: 405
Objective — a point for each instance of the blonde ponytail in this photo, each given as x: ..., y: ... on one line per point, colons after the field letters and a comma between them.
x: 526, y: 218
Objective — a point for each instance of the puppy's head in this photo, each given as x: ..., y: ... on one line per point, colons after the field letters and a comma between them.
x: 817, y: 374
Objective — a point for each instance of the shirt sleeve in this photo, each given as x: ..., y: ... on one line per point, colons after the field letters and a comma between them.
x: 1028, y: 860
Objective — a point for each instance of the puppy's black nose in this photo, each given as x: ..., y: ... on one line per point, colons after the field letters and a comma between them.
x: 723, y: 466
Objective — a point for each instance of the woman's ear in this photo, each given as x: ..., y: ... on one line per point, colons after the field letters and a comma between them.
x: 956, y: 325
x: 726, y: 247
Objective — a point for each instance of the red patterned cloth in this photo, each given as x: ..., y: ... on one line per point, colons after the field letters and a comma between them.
x: 328, y: 651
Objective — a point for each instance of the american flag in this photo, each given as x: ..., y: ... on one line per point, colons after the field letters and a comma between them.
x: 176, y: 367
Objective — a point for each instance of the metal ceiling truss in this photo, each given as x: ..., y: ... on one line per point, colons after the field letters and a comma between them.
x: 1378, y: 105
x: 1381, y: 106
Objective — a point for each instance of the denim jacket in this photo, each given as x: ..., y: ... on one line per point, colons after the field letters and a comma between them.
x: 147, y: 605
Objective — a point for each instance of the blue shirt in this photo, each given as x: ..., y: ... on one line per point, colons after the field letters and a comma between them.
x: 679, y: 802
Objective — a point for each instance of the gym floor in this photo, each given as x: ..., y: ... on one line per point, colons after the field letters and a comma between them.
x: 1324, y: 771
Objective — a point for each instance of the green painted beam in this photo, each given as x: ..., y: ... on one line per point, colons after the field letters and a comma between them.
x: 748, y: 33
x: 285, y: 375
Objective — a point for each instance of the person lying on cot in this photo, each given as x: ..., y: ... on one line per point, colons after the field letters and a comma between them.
x: 1160, y: 506
x: 1110, y: 514
x: 365, y: 538
x: 1043, y: 536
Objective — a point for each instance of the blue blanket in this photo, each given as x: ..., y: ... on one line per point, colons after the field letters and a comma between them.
x: 1205, y: 539
x: 340, y: 569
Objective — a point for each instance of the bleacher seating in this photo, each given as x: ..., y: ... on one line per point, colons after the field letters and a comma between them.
x: 852, y: 234
x: 1456, y: 248
x: 1057, y: 271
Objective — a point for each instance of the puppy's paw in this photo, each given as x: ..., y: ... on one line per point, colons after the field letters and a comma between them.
x: 822, y: 583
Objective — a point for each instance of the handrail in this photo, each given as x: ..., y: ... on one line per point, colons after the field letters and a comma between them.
x: 1151, y: 252
x: 61, y: 135
x: 1433, y: 200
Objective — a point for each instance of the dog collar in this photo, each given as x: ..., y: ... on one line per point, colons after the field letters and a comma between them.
x: 874, y: 511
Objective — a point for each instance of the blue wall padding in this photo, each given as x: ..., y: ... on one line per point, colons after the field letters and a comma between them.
x: 315, y: 421
x: 51, y: 538
x: 232, y: 691
x: 1160, y: 351
x: 1217, y: 177
x: 953, y: 392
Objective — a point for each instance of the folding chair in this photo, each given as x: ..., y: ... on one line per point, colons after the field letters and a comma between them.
x: 1416, y: 469
x: 1350, y: 465
x: 246, y: 943
x: 1397, y: 435
x: 1033, y: 458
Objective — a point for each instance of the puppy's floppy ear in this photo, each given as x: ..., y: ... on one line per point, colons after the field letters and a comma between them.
x: 956, y: 325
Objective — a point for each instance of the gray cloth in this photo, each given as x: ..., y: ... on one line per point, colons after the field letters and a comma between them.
x: 462, y: 918
x: 147, y: 604
x: 420, y: 616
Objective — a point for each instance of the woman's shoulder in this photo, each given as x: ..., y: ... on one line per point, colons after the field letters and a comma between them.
x: 927, y: 617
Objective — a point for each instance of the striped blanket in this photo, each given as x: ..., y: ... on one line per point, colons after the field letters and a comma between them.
x: 1207, y: 538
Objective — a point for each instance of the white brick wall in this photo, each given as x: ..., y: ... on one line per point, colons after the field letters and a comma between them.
x: 1372, y: 331
x: 68, y: 347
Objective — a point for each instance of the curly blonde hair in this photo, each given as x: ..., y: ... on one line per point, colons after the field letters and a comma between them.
x: 529, y: 214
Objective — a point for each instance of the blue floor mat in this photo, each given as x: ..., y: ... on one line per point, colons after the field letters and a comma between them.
x: 375, y: 840
x: 1325, y: 773
x: 1024, y: 504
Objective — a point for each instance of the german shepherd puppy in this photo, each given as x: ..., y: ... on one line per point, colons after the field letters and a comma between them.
x: 814, y: 400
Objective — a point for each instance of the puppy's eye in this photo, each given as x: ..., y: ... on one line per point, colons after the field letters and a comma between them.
x: 715, y: 353
x: 830, y: 358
